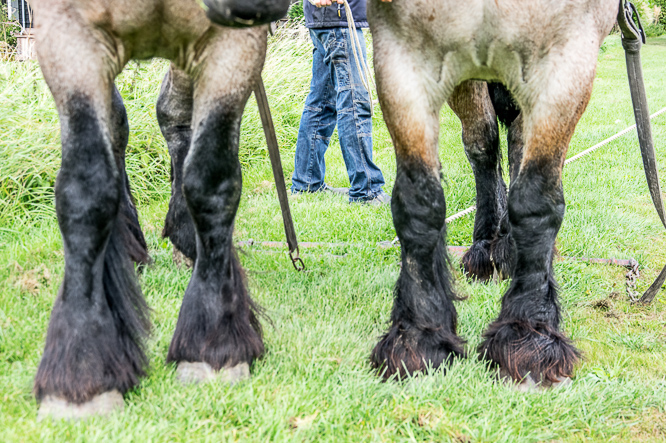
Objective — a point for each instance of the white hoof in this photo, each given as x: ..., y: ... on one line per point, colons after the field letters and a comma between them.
x: 529, y: 385
x: 200, y: 372
x: 58, y: 408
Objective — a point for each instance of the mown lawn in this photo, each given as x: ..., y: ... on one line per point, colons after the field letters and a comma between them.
x: 315, y: 382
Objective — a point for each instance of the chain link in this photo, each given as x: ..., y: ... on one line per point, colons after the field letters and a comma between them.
x: 297, y: 261
x: 632, y: 275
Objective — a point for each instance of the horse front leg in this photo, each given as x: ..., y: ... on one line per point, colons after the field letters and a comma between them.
x: 93, y: 352
x: 174, y: 114
x: 217, y: 326
x: 471, y: 103
x: 422, y: 329
x: 525, y: 341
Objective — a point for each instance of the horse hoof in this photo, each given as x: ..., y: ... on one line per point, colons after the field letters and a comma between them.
x: 529, y: 385
x: 57, y: 408
x: 200, y: 372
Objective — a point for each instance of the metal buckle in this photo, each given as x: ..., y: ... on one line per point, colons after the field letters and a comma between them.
x: 297, y: 261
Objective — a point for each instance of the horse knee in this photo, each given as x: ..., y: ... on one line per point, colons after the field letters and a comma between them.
x: 481, y: 141
x: 418, y: 195
x: 201, y: 185
x: 88, y: 185
x: 536, y: 200
x: 212, y: 177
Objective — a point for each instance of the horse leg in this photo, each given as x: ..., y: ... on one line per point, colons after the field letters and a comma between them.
x: 174, y: 114
x: 93, y: 352
x: 471, y: 103
x: 525, y: 339
x: 423, y: 320
x: 502, y: 248
x: 217, y: 326
x: 128, y: 225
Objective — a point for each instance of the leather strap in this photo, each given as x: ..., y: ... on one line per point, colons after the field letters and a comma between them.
x: 633, y: 37
x: 276, y: 163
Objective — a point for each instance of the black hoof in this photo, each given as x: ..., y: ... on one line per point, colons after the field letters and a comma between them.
x: 522, y: 349
x: 503, y: 255
x: 476, y: 262
x: 405, y: 352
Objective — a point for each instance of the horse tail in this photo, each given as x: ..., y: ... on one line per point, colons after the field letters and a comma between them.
x: 506, y: 108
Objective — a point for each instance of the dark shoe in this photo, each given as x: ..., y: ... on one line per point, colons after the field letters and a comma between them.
x: 378, y: 200
x: 338, y: 191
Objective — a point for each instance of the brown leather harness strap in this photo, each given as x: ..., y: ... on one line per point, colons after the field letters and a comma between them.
x: 276, y: 163
x: 633, y: 37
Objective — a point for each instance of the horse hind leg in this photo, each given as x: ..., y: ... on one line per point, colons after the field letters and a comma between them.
x: 525, y: 340
x: 129, y: 228
x: 93, y: 351
x: 174, y: 114
x: 502, y: 248
x: 471, y: 103
x: 217, y: 328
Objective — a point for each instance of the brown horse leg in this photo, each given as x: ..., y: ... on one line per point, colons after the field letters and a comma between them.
x: 217, y: 326
x: 93, y: 351
x: 174, y: 114
x: 526, y: 338
x: 471, y: 103
x: 423, y: 321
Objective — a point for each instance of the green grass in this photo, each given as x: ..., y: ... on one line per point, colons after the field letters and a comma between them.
x: 315, y: 383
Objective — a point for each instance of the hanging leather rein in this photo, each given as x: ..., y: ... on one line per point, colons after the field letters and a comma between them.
x: 633, y: 37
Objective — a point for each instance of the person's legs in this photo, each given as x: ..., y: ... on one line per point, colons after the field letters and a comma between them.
x: 317, y: 122
x: 354, y: 110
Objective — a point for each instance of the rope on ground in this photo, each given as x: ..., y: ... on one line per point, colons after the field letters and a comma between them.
x: 458, y: 251
x: 569, y: 160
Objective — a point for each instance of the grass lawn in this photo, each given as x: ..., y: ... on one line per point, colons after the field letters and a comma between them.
x: 315, y: 382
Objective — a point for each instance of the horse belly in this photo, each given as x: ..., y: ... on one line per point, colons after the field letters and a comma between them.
x: 493, y: 39
x: 140, y: 29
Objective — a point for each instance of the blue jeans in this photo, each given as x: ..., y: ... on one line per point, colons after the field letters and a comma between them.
x: 337, y: 96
